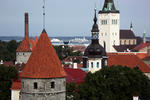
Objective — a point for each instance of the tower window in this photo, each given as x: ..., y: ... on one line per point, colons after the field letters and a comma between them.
x: 23, y: 84
x: 97, y: 64
x: 52, y: 84
x: 114, y: 21
x: 92, y: 64
x: 102, y: 34
x: 35, y: 85
x: 103, y: 22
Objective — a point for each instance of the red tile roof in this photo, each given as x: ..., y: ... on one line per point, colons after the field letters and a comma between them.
x: 72, y: 58
x: 24, y: 46
x: 8, y: 63
x: 79, y: 48
x: 128, y: 60
x: 141, y: 46
x: 16, y: 85
x: 75, y: 75
x: 43, y: 62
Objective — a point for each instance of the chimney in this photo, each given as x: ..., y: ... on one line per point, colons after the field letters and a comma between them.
x: 135, y: 98
x: 26, y: 25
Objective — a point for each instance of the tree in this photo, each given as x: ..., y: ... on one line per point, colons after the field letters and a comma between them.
x: 72, y: 93
x: 7, y: 74
x: 115, y: 82
x: 8, y: 50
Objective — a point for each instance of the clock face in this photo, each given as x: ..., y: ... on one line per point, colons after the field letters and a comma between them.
x: 95, y: 36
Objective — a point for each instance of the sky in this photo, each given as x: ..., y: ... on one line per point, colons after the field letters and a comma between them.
x: 68, y: 17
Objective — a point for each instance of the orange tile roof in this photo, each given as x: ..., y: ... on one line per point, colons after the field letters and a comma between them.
x: 16, y: 85
x: 128, y: 60
x: 43, y: 62
x: 32, y: 43
x: 141, y: 46
x: 24, y: 46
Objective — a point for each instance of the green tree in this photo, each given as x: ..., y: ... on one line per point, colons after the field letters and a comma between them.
x: 72, y: 92
x: 115, y: 82
x: 8, y: 50
x: 7, y: 74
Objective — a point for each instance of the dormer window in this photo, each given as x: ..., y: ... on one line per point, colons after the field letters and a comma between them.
x: 35, y: 85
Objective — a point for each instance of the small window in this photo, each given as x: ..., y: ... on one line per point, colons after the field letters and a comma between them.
x: 23, y: 53
x: 97, y: 64
x: 102, y: 34
x: 22, y: 84
x: 35, y: 85
x: 52, y: 84
x: 92, y: 64
x: 105, y: 33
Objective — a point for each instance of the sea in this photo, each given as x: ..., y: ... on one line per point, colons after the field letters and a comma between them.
x: 72, y: 40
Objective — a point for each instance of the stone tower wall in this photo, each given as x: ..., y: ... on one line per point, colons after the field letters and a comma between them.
x: 44, y: 90
x: 22, y: 57
x: 109, y: 32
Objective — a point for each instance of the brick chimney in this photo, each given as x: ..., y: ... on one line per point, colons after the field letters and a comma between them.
x: 26, y: 25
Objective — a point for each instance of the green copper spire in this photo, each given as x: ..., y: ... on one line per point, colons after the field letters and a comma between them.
x: 109, y: 7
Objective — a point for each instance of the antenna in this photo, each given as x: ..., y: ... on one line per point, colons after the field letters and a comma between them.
x: 95, y: 4
x: 43, y: 14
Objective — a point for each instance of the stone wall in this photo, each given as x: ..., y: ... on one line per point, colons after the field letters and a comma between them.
x: 44, y: 90
x: 22, y: 57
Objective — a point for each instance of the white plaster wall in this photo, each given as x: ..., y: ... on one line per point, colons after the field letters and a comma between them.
x: 15, y: 94
x: 95, y: 68
x: 22, y: 57
x: 148, y: 75
x: 109, y: 33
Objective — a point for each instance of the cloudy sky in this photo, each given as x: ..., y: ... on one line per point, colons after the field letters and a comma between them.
x: 68, y: 17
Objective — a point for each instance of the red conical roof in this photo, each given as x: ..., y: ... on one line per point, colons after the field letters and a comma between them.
x: 43, y: 62
x: 24, y: 45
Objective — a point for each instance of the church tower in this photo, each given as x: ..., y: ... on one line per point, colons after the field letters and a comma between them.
x: 94, y: 57
x: 43, y: 77
x: 109, y: 26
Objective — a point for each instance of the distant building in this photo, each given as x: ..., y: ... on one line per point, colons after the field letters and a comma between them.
x: 109, y: 25
x: 94, y: 57
x: 43, y: 77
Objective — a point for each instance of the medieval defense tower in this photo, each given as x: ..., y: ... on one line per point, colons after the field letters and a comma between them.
x: 43, y: 77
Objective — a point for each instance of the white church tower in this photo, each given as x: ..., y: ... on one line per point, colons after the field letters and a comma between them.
x: 109, y: 26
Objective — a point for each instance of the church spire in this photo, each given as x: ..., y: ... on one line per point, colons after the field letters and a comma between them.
x: 109, y: 7
x: 95, y: 26
x: 95, y: 30
x: 131, y: 27
x: 144, y: 36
